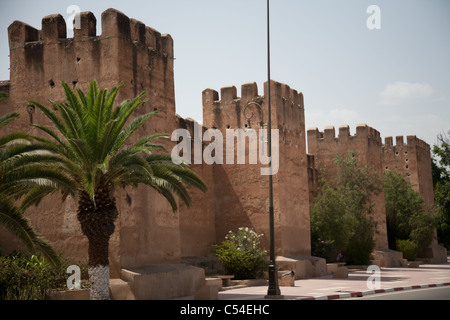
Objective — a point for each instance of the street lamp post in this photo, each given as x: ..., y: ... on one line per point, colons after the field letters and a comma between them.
x: 273, y: 290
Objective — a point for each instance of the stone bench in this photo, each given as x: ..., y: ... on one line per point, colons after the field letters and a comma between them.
x: 332, y: 267
x: 341, y: 273
x: 225, y: 279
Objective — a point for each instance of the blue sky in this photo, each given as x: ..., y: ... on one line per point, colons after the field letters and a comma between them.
x: 395, y: 79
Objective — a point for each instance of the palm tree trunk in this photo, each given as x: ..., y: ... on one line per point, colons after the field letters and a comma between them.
x: 97, y: 224
x: 98, y: 268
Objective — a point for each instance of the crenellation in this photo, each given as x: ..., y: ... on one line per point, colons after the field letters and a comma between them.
x: 115, y: 24
x: 314, y: 135
x: 167, y: 45
x: 138, y: 32
x: 228, y: 93
x: 153, y: 39
x: 209, y: 96
x: 344, y: 132
x: 20, y: 33
x: 362, y: 130
x: 388, y: 141
x: 329, y: 133
x: 411, y: 142
x: 249, y: 91
x: 399, y: 141
x: 87, y: 27
x: 53, y: 28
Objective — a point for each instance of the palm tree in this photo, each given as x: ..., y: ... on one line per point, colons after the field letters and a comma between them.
x: 91, y: 138
x: 22, y: 169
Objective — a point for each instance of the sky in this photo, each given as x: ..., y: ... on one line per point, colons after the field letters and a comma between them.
x: 395, y: 78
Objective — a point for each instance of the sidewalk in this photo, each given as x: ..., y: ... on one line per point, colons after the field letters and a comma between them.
x: 327, y: 288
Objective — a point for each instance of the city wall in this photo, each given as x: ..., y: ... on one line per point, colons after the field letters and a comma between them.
x: 148, y: 232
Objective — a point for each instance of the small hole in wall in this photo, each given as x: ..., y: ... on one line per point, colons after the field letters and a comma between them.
x: 78, y: 59
x: 51, y: 83
x: 155, y: 109
x: 74, y: 83
x: 406, y: 166
x: 228, y: 126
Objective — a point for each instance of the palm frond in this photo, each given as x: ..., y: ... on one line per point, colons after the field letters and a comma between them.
x: 13, y: 220
x: 7, y: 118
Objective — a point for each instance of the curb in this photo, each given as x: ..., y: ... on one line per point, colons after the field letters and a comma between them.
x: 369, y: 292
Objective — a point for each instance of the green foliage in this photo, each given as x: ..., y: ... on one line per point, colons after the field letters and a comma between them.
x: 324, y: 248
x: 408, y: 248
x: 22, y: 168
x: 29, y: 277
x: 346, y: 203
x: 441, y: 181
x: 407, y: 218
x: 240, y: 254
x: 90, y: 136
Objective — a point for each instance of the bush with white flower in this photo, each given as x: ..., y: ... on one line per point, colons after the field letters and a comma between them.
x: 241, y: 255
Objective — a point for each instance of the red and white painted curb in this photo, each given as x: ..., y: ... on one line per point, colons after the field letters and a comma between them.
x: 369, y: 292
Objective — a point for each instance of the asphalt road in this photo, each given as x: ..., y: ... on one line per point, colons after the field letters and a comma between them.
x: 437, y: 293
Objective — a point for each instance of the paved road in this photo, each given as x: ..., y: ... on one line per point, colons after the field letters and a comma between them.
x: 437, y: 293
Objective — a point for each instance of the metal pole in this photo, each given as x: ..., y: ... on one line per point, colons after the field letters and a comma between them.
x: 274, y: 289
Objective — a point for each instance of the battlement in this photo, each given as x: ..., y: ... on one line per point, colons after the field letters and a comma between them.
x: 114, y: 24
x: 329, y: 133
x: 411, y: 142
x: 249, y: 92
x: 226, y: 110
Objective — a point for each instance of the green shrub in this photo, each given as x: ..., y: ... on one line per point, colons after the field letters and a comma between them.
x: 240, y: 254
x: 407, y: 217
x: 29, y: 277
x: 408, y: 248
x: 324, y: 249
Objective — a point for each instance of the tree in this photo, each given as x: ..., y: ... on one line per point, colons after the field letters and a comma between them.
x: 22, y: 170
x: 407, y: 218
x: 341, y: 213
x: 441, y: 181
x: 91, y: 139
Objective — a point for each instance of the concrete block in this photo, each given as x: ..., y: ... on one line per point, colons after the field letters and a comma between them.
x: 375, y: 263
x: 207, y: 292
x: 214, y: 281
x: 388, y: 257
x: 414, y: 264
x: 304, y: 267
x: 120, y: 290
x: 341, y: 273
x: 434, y: 254
x: 332, y: 268
x: 165, y: 281
x: 286, y: 278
